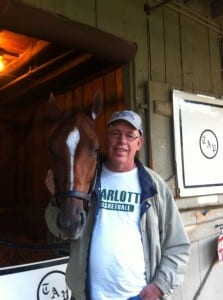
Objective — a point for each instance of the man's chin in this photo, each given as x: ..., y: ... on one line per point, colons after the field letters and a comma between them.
x: 119, y: 159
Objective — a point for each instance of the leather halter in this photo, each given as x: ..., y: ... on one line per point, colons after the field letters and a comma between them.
x: 77, y: 194
x: 74, y: 194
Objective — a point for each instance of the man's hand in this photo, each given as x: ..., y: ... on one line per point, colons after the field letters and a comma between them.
x: 49, y: 181
x: 151, y: 292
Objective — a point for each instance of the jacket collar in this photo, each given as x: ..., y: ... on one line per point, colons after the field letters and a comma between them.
x: 147, y: 184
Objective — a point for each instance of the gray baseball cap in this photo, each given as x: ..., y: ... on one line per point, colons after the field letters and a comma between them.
x: 129, y: 116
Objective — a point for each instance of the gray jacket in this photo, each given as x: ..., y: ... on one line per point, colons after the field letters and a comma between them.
x: 165, y: 242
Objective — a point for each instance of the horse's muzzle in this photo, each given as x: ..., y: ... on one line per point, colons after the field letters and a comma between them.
x: 71, y: 227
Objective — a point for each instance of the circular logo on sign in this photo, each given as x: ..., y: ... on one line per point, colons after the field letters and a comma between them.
x: 208, y: 143
x: 53, y: 286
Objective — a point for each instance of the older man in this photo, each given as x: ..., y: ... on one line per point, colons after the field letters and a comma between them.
x: 134, y: 245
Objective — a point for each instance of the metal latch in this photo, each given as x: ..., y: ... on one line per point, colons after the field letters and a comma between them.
x: 220, y: 226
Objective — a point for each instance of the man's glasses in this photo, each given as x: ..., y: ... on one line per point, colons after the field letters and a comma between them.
x: 116, y: 134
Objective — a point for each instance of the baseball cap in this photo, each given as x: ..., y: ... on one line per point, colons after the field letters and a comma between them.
x: 129, y: 116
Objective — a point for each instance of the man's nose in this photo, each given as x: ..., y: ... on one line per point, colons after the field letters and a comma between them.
x: 122, y: 137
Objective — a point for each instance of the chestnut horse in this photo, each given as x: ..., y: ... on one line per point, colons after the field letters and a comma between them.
x: 74, y: 148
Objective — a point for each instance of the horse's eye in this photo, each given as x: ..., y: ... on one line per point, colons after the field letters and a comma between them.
x: 93, y: 148
x: 94, y: 151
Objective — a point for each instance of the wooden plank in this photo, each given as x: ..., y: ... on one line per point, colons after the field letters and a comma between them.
x: 23, y: 58
x: 68, y: 99
x: 122, y: 18
x: 216, y: 63
x: 195, y: 56
x: 198, y: 6
x: 128, y: 20
x: 189, y: 217
x: 207, y: 253
x: 160, y: 132
x: 61, y: 100
x: 207, y: 214
x: 192, y: 203
x: 192, y: 277
x: 197, y: 232
x: 32, y: 192
x: 7, y: 165
x: 213, y: 285
x: 110, y: 94
x: 119, y: 88
x: 201, y: 60
x: 79, y: 10
x: 202, y: 215
x: 157, y: 46
x: 20, y: 86
x: 77, y: 98
x: 172, y: 48
x: 87, y: 95
x: 217, y: 9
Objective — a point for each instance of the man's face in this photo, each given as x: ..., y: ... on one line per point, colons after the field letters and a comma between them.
x: 123, y: 141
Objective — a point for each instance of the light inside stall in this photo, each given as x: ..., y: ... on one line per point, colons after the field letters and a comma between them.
x: 2, y: 64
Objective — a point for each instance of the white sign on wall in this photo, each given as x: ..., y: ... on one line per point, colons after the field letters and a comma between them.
x: 198, y: 141
x: 38, y: 281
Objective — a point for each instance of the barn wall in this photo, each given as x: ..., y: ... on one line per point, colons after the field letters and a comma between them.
x: 176, y: 49
x: 185, y: 54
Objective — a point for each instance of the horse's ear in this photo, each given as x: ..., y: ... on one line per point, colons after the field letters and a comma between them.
x: 55, y: 109
x: 97, y: 104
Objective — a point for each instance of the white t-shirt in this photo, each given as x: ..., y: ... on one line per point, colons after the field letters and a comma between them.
x: 117, y: 267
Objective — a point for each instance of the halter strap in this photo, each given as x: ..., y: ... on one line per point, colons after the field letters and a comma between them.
x: 74, y: 194
x: 80, y: 195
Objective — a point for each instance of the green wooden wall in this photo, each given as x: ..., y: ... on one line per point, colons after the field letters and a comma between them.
x: 178, y: 47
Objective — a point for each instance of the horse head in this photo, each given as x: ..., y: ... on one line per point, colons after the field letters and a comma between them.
x: 74, y: 148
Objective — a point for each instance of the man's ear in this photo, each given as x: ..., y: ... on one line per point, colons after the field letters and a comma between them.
x: 140, y: 142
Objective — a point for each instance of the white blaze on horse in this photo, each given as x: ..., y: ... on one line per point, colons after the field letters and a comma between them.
x: 74, y: 147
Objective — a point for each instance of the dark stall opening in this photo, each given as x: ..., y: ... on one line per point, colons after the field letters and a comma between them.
x: 38, y: 62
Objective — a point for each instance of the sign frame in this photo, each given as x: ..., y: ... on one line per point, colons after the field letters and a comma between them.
x: 41, y: 280
x: 198, y: 144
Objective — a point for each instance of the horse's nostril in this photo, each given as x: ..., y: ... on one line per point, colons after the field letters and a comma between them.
x: 71, y: 225
x: 82, y: 218
x: 58, y: 222
x: 76, y: 220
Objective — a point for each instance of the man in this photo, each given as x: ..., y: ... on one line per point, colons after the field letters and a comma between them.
x: 134, y: 245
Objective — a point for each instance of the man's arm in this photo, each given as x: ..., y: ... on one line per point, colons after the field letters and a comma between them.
x: 174, y: 244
